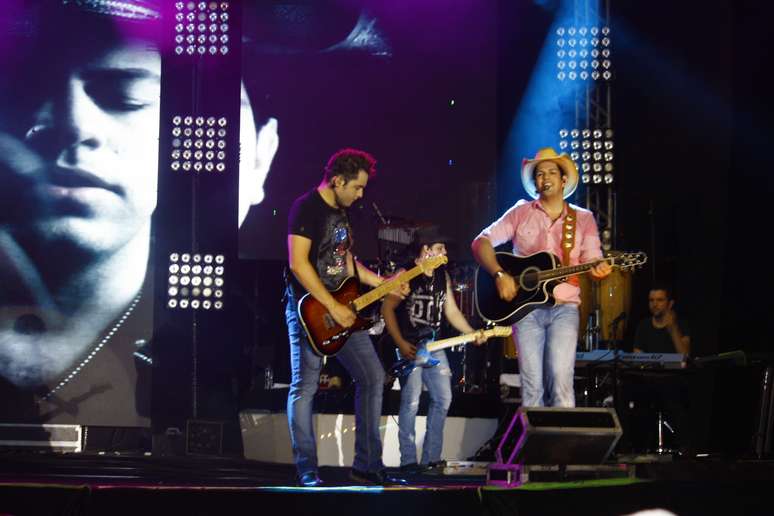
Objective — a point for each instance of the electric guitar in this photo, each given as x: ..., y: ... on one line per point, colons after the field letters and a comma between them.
x: 536, y: 276
x: 326, y: 336
x: 404, y: 366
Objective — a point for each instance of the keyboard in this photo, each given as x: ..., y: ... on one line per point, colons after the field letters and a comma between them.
x: 645, y: 360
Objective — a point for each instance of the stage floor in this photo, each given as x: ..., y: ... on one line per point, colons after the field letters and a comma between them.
x: 119, y: 484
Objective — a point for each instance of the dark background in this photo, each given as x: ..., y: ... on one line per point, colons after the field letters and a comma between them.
x: 690, y: 118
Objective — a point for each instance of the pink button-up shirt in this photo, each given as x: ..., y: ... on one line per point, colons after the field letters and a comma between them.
x: 531, y: 230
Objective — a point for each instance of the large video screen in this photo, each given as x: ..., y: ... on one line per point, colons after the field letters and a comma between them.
x: 79, y: 125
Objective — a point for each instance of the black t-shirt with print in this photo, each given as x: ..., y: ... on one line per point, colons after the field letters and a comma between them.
x: 421, y: 313
x: 331, y: 235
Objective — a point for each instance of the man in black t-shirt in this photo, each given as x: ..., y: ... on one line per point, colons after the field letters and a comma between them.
x: 319, y: 241
x: 661, y: 396
x: 662, y: 332
x: 410, y: 323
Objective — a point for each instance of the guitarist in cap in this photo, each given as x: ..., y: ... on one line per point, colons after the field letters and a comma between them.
x: 319, y: 241
x: 409, y: 322
x: 547, y: 336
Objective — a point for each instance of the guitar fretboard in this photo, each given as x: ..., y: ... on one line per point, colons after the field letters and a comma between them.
x: 572, y: 270
x: 388, y: 286
x: 468, y: 337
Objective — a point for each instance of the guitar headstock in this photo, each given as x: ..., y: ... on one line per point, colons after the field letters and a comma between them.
x: 629, y: 261
x: 500, y: 331
x: 433, y: 263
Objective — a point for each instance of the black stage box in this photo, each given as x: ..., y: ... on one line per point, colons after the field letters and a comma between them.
x: 554, y: 435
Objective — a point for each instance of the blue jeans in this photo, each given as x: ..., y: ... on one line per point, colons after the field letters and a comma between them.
x: 359, y: 358
x: 438, y: 382
x: 547, y: 338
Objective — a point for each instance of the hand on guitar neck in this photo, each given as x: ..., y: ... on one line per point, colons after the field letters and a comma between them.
x: 601, y: 270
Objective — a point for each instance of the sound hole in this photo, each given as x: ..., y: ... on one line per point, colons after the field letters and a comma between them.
x: 529, y: 278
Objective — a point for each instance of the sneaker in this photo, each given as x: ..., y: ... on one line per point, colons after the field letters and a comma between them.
x: 375, y: 478
x: 310, y: 479
x: 412, y: 469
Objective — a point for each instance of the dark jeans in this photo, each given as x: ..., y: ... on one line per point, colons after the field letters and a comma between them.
x: 361, y: 361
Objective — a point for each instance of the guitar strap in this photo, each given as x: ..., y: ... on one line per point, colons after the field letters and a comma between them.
x: 568, y: 240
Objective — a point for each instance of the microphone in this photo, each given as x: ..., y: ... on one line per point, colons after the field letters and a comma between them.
x: 621, y: 317
x: 379, y: 213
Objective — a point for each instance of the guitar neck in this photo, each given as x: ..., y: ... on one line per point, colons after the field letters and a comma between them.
x: 456, y: 341
x: 385, y: 288
x: 573, y: 270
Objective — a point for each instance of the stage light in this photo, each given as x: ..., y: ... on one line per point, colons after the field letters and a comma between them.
x: 591, y: 150
x: 198, y: 23
x: 583, y: 53
x: 194, y: 135
x: 193, y: 281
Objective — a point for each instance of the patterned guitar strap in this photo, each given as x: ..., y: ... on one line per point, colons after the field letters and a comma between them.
x: 568, y: 240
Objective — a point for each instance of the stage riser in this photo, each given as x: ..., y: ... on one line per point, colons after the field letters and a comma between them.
x: 265, y: 437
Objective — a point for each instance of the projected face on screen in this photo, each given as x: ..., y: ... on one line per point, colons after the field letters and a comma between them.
x: 79, y: 131
x: 85, y: 160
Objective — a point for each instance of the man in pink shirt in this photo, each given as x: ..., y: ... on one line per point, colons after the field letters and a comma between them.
x: 548, y: 335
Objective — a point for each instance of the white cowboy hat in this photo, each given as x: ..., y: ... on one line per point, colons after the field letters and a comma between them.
x: 563, y: 161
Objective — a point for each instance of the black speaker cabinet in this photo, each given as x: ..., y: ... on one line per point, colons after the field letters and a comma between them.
x: 554, y: 435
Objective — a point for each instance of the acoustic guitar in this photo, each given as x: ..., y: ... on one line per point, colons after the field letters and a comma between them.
x: 536, y: 276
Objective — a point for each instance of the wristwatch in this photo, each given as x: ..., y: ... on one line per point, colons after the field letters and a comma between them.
x: 499, y: 273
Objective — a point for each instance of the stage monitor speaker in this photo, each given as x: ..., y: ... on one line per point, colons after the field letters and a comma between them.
x: 59, y: 438
x: 564, y: 436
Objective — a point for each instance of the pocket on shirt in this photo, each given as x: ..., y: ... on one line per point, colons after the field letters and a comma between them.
x: 528, y: 241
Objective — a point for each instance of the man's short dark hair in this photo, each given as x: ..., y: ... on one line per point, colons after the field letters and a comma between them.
x: 348, y: 163
x: 663, y: 286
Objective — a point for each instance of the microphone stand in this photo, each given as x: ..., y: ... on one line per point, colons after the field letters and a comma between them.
x: 383, y: 221
x: 616, y: 359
